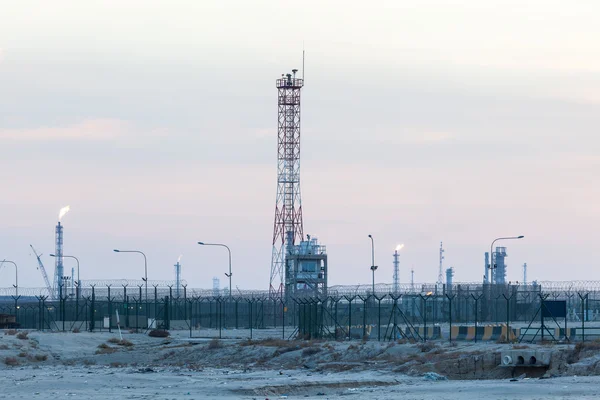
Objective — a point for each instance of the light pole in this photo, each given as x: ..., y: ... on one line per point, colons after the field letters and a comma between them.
x: 373, y: 266
x: 16, y: 285
x: 229, y: 251
x: 78, y: 280
x: 492, y: 265
x: 145, y: 278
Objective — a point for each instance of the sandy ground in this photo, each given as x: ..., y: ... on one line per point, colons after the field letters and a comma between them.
x: 65, y: 365
x: 129, y: 383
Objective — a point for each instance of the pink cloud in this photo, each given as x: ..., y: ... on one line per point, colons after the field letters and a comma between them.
x: 90, y: 129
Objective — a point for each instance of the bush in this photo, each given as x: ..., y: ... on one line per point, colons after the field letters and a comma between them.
x: 117, y: 364
x: 427, y: 346
x: 283, y: 350
x: 159, y: 333
x: 41, y: 357
x: 214, y: 344
x: 113, y: 340
x: 3, y: 347
x: 105, y: 349
x: 22, y: 335
x: 125, y: 343
x: 266, y: 342
x: 23, y: 354
x: 76, y: 330
x: 11, y: 361
x: 309, y: 351
x: 11, y: 332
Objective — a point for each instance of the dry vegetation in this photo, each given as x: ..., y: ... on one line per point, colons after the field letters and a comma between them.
x: 120, y: 342
x: 159, y: 333
x: 3, y: 347
x: 22, y: 335
x: 11, y: 361
x: 117, y: 364
x: 105, y: 349
x: 427, y: 347
x: 309, y: 351
x: 11, y: 332
x: 266, y: 343
x: 214, y: 344
x: 40, y: 357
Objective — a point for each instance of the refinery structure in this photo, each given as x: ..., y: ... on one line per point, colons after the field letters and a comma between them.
x: 298, y: 292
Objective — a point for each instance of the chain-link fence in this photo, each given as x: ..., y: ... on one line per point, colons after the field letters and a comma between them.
x: 470, y: 312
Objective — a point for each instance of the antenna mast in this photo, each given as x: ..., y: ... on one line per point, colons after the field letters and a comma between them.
x: 287, y: 229
x: 440, y: 280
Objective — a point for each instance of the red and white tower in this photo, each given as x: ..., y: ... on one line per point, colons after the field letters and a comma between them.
x: 287, y: 229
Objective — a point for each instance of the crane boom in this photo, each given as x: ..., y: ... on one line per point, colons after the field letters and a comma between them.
x: 43, y: 270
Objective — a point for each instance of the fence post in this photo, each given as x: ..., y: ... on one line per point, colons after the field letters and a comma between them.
x: 17, y: 309
x: 583, y: 299
x: 220, y: 311
x: 155, y: 305
x: 424, y: 300
x: 365, y: 300
x: 167, y: 322
x: 379, y: 318
x: 476, y: 311
x: 185, y: 304
x: 138, y: 303
x: 450, y: 298
x: 250, y: 313
x: 507, y: 316
x: 93, y: 309
x: 109, y: 310
x: 283, y: 309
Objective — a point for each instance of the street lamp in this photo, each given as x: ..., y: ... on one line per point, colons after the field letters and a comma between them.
x: 78, y: 283
x: 145, y: 278
x: 493, y: 266
x: 229, y: 250
x: 16, y: 285
x: 373, y: 266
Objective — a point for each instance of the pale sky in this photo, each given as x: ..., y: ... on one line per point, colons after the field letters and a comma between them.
x: 422, y: 121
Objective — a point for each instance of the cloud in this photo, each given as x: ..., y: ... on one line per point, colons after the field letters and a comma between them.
x: 428, y: 137
x: 88, y: 130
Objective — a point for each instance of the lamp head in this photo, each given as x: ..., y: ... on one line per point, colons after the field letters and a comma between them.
x: 116, y: 251
x: 201, y: 243
x: 521, y: 237
x: 52, y: 255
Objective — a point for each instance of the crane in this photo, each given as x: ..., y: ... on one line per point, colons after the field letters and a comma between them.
x: 43, y: 270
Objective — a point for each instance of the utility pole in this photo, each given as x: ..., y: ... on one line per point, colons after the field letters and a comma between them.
x: 440, y: 280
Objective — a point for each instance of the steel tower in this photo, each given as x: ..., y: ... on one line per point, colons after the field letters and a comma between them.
x: 440, y: 280
x: 287, y: 229
x: 396, y: 278
x: 59, y: 268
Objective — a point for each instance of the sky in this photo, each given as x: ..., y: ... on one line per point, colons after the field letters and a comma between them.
x: 422, y: 122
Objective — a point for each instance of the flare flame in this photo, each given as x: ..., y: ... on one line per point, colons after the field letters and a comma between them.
x: 399, y: 247
x: 179, y: 259
x: 63, y: 212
